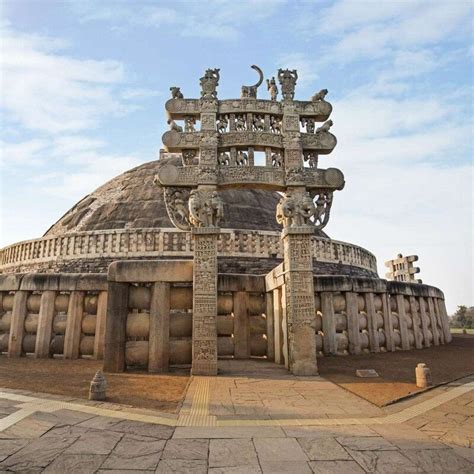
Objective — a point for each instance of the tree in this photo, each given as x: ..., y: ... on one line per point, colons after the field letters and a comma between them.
x: 463, y: 317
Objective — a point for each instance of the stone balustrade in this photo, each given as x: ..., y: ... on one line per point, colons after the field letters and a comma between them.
x: 361, y: 315
x: 140, y: 315
x: 48, y: 252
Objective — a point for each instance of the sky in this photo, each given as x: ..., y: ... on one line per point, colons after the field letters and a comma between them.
x: 83, y: 86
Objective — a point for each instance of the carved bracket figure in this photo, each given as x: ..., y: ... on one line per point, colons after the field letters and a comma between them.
x: 176, y: 201
x: 206, y: 208
x: 295, y: 210
x: 251, y: 91
x: 323, y: 209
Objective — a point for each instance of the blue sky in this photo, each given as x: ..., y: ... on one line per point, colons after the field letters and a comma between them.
x: 83, y: 86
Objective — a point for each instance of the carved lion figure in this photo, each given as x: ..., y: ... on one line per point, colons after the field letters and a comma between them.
x: 174, y: 126
x: 319, y: 95
x: 325, y: 126
x: 176, y: 93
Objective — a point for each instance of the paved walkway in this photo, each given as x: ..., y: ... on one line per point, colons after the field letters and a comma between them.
x: 242, y: 423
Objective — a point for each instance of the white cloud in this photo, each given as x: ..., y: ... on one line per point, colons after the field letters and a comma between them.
x: 220, y: 19
x: 54, y: 93
x: 24, y: 153
x: 371, y: 30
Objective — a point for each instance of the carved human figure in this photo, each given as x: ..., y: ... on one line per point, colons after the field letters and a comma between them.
x: 240, y: 123
x: 259, y: 123
x: 174, y: 126
x: 311, y: 158
x: 325, y: 126
x: 277, y: 160
x: 275, y: 124
x: 188, y: 157
x: 319, y: 96
x: 176, y: 93
x: 242, y: 158
x: 189, y: 123
x: 209, y: 83
x: 222, y: 123
x: 309, y: 124
x: 287, y: 81
x: 223, y: 159
x: 272, y: 88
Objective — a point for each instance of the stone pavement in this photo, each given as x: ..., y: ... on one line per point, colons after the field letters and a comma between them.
x: 242, y: 423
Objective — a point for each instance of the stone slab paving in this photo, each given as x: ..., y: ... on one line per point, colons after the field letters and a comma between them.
x: 433, y: 432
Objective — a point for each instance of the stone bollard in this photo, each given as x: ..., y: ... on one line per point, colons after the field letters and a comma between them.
x: 98, y: 386
x: 423, y: 376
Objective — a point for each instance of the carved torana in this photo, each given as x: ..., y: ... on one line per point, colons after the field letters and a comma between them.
x: 219, y: 142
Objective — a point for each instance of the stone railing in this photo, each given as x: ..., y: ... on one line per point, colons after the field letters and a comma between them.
x: 361, y: 315
x: 143, y: 243
x: 140, y: 315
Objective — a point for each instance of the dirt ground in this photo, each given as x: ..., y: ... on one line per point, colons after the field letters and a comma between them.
x: 72, y: 378
x: 397, y: 370
x: 165, y: 392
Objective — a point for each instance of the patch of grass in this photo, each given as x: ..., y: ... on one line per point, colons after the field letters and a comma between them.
x: 460, y: 331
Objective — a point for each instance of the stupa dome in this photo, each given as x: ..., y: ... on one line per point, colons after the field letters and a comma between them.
x: 132, y: 201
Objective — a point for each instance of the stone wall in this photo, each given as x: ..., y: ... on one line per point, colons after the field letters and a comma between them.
x: 92, y: 252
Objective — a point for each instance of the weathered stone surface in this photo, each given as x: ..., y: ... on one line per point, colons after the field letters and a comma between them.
x: 371, y: 443
x: 439, y: 461
x: 253, y: 469
x: 95, y: 442
x: 37, y: 454
x: 75, y: 464
x: 323, y: 449
x: 135, y: 452
x: 279, y: 449
x: 331, y: 467
x: 167, y: 466
x: 186, y: 449
x: 276, y: 467
x: 143, y: 429
x: 232, y: 453
x: 384, y: 461
x: 10, y: 446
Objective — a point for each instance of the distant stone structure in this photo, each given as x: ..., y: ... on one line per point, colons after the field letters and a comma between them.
x: 402, y: 269
x: 216, y: 250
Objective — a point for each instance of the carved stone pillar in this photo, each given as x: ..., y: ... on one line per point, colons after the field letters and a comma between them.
x: 205, y: 301
x: 301, y: 312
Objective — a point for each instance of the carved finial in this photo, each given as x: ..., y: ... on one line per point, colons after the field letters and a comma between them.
x: 209, y: 83
x: 176, y: 93
x: 287, y: 81
x: 251, y: 91
x: 98, y: 387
